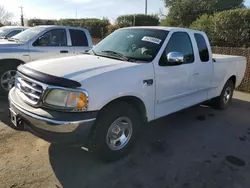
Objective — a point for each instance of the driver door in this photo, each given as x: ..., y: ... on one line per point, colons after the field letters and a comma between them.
x: 53, y: 43
x: 174, y: 82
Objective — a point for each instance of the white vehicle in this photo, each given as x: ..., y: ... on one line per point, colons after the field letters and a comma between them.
x: 135, y: 75
x: 39, y: 43
x: 10, y: 31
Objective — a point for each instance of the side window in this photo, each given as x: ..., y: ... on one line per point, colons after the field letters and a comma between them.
x: 179, y: 42
x: 78, y: 38
x: 54, y: 37
x: 13, y: 33
x: 202, y: 46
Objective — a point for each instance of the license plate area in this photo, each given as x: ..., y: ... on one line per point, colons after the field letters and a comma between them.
x: 13, y: 117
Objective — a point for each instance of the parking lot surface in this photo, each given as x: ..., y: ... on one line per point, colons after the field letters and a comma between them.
x: 196, y: 148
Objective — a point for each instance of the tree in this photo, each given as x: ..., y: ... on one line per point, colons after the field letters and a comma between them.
x: 183, y: 12
x: 227, y: 28
x: 5, y: 16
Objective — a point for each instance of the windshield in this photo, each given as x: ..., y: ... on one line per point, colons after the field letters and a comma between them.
x: 136, y: 44
x: 3, y: 32
x: 28, y: 34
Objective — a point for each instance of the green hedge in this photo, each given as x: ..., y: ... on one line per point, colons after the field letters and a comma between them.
x: 98, y: 28
x: 227, y: 28
x: 36, y: 22
x: 137, y: 20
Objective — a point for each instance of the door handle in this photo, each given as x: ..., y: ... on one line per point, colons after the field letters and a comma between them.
x: 64, y: 51
x: 196, y: 74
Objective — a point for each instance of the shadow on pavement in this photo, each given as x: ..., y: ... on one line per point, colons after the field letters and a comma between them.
x: 4, y: 113
x: 185, y: 149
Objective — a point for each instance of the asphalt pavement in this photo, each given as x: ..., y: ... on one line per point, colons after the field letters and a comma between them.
x: 196, y: 148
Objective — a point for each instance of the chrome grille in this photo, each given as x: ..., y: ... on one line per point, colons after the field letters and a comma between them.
x: 31, y: 91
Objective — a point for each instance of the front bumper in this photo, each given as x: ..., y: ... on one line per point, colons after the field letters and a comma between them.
x: 55, y: 127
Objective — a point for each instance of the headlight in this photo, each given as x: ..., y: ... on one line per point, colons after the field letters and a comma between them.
x: 68, y: 100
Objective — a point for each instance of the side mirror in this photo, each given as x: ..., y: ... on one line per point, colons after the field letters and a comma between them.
x: 175, y: 58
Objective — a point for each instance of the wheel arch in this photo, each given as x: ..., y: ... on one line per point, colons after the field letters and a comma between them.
x: 133, y: 100
x: 11, y: 60
x: 233, y: 78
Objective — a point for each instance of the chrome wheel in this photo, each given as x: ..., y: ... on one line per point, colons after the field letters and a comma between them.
x: 119, y: 133
x: 227, y: 95
x: 8, y: 79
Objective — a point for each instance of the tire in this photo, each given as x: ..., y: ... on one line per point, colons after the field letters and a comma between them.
x: 225, y: 99
x: 105, y: 131
x: 7, y: 73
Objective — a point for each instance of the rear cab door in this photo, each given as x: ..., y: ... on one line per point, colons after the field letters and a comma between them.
x: 80, y: 40
x: 52, y: 42
x: 204, y: 67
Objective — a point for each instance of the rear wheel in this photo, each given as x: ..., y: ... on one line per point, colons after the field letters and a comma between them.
x: 224, y: 100
x: 115, y: 132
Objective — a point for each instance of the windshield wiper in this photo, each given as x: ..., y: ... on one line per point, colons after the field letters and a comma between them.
x: 92, y: 51
x: 117, y: 54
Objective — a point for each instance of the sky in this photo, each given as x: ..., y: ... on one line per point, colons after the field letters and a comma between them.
x: 56, y: 9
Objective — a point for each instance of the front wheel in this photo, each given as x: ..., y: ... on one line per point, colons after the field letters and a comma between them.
x: 224, y: 100
x: 115, y: 132
x: 7, y: 79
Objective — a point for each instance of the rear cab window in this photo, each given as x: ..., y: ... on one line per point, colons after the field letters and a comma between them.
x: 202, y: 47
x: 78, y: 37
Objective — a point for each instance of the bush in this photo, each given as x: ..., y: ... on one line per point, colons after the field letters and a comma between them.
x: 227, y: 28
x: 137, y: 20
x: 112, y: 28
x: 36, y: 22
x: 168, y: 22
x: 97, y: 27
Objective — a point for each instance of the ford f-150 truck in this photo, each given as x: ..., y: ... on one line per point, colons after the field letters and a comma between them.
x: 135, y: 75
x: 38, y: 43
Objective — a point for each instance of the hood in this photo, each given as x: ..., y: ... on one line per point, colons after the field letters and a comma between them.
x: 6, y: 43
x: 78, y: 67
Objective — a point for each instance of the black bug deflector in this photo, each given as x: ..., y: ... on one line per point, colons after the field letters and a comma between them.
x: 48, y: 79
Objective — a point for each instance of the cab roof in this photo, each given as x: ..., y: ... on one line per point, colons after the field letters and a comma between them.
x: 13, y: 27
x: 164, y: 28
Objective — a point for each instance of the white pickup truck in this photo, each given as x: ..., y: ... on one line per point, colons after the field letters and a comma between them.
x: 136, y: 75
x: 37, y: 43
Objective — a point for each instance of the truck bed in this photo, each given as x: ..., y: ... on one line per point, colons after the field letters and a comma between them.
x: 226, y: 66
x: 228, y: 58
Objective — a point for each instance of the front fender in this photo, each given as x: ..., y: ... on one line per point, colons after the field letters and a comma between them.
x: 20, y: 52
x: 127, y: 82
